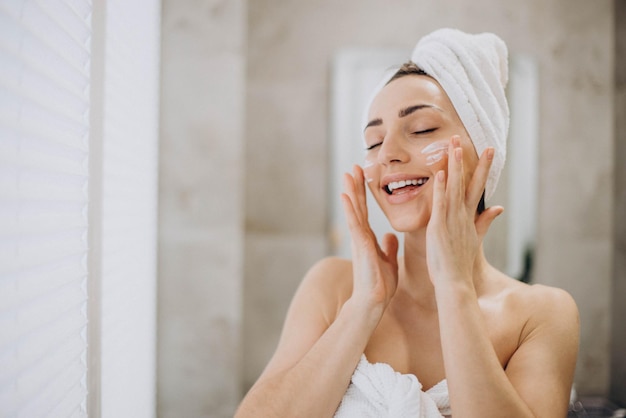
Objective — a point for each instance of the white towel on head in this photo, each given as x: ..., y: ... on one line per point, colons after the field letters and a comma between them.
x: 473, y: 71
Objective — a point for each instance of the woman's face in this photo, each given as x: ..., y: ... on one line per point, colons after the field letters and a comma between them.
x: 410, y: 124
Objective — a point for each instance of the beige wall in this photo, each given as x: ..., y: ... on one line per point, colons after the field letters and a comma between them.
x: 268, y: 121
x: 201, y: 208
x: 618, y: 343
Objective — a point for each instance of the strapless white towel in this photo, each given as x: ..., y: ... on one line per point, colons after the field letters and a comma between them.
x: 378, y: 391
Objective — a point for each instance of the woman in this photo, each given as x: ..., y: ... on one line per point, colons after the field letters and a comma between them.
x: 440, y: 331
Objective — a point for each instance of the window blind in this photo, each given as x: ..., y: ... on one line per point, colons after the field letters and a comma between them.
x: 44, y: 130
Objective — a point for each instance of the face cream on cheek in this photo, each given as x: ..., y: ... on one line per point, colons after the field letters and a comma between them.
x: 368, y: 165
x: 434, y: 152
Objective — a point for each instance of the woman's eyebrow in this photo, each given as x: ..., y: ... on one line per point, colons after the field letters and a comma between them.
x: 407, y: 111
x: 402, y: 113
x: 373, y: 122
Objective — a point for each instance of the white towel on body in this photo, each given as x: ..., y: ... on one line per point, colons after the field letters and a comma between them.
x: 378, y: 391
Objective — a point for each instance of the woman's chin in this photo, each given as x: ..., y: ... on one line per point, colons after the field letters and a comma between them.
x: 408, y: 223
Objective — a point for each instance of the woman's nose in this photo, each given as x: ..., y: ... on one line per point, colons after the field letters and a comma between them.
x: 393, y: 150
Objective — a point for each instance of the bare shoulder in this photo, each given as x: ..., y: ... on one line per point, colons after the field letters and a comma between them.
x: 313, y: 309
x: 330, y: 280
x: 544, y: 304
x: 551, y: 307
x: 551, y: 298
x: 541, y: 368
x: 540, y: 314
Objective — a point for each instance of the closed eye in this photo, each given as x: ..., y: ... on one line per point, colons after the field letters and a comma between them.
x: 371, y: 147
x: 426, y: 131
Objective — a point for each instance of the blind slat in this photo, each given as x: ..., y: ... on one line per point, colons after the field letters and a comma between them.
x: 32, y: 114
x: 34, y: 250
x: 16, y: 132
x: 31, y: 216
x: 51, y: 349
x: 44, y: 127
x: 72, y: 46
x: 29, y: 320
x: 50, y: 395
x: 34, y: 184
x: 33, y: 379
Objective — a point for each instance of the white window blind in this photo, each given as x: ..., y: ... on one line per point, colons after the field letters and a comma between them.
x: 53, y: 206
x: 44, y: 135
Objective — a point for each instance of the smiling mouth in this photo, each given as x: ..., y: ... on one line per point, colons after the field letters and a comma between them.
x: 397, y: 187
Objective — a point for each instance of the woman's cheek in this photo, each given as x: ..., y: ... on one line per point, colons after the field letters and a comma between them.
x: 438, y: 165
x: 435, y: 155
x: 369, y: 170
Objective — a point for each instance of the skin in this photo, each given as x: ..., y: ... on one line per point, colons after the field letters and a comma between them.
x: 442, y: 311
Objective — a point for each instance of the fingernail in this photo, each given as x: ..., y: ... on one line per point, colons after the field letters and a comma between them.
x: 490, y: 153
x: 441, y: 175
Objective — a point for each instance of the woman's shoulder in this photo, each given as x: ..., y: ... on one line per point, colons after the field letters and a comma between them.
x: 330, y: 281
x: 539, y: 296
x: 540, y: 304
x: 551, y: 304
x: 531, y: 316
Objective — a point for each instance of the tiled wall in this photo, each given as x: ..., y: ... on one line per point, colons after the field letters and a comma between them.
x: 201, y: 207
x: 244, y: 160
x: 618, y: 333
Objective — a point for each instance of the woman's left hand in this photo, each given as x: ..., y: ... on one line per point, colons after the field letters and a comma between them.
x: 455, y: 231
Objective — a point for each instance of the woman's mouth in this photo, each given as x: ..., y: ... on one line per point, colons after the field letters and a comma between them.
x: 403, y: 186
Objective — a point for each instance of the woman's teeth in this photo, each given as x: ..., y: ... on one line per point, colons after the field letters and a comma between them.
x: 395, y: 185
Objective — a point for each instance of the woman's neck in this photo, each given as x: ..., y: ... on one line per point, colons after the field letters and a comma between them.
x: 414, y: 278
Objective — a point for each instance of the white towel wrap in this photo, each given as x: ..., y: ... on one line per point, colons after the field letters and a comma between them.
x: 378, y: 391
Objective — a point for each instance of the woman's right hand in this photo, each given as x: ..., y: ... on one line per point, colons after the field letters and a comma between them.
x: 375, y: 268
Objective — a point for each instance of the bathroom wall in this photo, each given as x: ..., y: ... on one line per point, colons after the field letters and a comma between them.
x: 201, y: 207
x: 290, y: 48
x: 244, y: 189
x: 618, y: 344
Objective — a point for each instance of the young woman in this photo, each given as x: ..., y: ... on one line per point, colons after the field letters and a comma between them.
x: 439, y: 331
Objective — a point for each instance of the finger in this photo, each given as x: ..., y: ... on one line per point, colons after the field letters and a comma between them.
x: 348, y: 210
x: 358, y: 235
x: 484, y: 221
x: 350, y: 191
x: 439, y: 198
x: 361, y: 194
x: 455, y: 188
x: 390, y: 247
x: 479, y: 178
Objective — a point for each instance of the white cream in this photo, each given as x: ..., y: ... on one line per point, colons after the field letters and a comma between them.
x: 367, y: 164
x: 435, y: 152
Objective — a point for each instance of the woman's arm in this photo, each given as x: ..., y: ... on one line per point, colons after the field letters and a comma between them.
x: 317, y: 354
x: 539, y: 375
x: 542, y: 368
x: 314, y: 361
